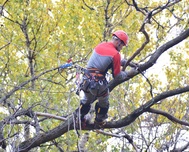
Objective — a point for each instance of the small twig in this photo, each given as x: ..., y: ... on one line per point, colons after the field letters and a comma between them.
x: 142, y: 29
x: 119, y: 136
x: 138, y: 50
x: 50, y: 116
x: 151, y: 88
x: 24, y: 83
x: 4, y: 46
x: 59, y: 147
x: 88, y: 6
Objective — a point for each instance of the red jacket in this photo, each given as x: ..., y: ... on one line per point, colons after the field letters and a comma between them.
x: 105, y: 57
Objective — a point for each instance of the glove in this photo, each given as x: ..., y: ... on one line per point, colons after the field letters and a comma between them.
x: 122, y: 75
x: 123, y: 62
x: 131, y: 64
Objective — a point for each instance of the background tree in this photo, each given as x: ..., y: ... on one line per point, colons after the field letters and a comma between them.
x: 148, y: 110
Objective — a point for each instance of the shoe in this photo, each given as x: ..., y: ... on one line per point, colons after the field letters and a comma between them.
x: 100, y: 122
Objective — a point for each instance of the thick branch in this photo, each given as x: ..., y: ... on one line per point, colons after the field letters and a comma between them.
x: 131, y: 117
x: 152, y: 60
x: 48, y: 136
x: 68, y: 124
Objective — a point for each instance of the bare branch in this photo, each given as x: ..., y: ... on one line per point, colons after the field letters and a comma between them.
x: 133, y: 72
x: 120, y: 136
x: 4, y: 46
x: 169, y: 116
x: 147, y: 19
x: 131, y: 117
x: 181, y: 148
x: 139, y: 49
x: 50, y: 116
x: 16, y: 88
x: 87, y: 5
x: 69, y: 125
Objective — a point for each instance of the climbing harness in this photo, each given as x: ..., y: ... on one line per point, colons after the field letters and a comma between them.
x: 86, y: 78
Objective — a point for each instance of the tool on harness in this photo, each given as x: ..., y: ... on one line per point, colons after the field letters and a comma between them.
x: 93, y: 79
x: 79, y: 70
x: 95, y: 75
x: 90, y: 78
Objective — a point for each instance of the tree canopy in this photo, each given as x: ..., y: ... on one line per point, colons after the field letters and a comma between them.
x: 149, y: 110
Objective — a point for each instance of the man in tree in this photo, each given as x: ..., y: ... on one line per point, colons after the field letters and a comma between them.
x: 94, y: 84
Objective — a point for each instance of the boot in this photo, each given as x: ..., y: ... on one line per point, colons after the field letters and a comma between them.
x: 81, y: 113
x: 101, y: 115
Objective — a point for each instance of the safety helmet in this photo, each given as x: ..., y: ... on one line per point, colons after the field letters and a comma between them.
x: 122, y: 36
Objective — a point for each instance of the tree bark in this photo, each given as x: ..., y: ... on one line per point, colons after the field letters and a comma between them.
x: 68, y: 124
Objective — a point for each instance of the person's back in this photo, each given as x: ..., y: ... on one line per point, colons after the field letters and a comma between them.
x: 105, y: 57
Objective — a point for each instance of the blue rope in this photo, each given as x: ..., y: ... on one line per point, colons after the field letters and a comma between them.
x: 66, y: 65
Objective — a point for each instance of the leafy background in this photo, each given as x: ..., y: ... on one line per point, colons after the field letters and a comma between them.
x: 36, y: 36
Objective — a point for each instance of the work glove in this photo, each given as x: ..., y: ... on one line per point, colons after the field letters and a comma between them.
x: 122, y: 75
x: 123, y: 62
x: 131, y: 64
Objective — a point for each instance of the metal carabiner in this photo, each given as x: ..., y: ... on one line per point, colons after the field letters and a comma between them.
x: 100, y: 82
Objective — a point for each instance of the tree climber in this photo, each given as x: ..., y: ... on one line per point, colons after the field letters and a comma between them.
x: 94, y: 84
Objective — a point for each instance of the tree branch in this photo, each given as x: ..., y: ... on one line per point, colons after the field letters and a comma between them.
x: 170, y: 117
x: 4, y: 46
x: 147, y: 19
x: 63, y: 128
x: 120, y: 136
x: 50, y: 116
x: 181, y: 148
x: 68, y: 124
x: 16, y: 88
x: 87, y: 5
x: 144, y: 108
x: 151, y: 61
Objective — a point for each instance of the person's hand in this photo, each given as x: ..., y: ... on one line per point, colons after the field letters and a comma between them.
x: 123, y: 62
x: 122, y: 75
x: 134, y: 65
x: 131, y: 64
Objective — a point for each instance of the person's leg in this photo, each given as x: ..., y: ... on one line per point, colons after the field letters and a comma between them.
x: 102, y: 106
x: 86, y: 98
x: 85, y: 103
x: 101, y: 112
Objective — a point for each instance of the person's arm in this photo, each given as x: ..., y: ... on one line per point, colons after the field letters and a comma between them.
x: 116, y: 65
x: 131, y: 64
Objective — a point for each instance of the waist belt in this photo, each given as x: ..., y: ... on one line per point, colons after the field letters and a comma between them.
x: 93, y: 72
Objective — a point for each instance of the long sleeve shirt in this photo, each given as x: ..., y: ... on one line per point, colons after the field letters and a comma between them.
x: 105, y: 57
